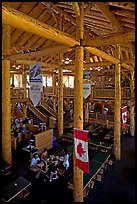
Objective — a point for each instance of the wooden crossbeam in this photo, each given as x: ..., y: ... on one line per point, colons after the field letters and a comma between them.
x: 107, y: 57
x: 112, y: 39
x: 28, y: 62
x: 48, y: 51
x: 116, y: 26
x: 76, y: 8
x: 19, y: 20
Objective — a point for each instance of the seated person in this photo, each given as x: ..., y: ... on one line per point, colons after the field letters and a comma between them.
x: 34, y: 160
x: 66, y: 160
x: 44, y: 154
x: 53, y: 171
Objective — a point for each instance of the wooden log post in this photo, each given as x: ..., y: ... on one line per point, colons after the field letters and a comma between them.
x: 18, y: 77
x: 24, y: 80
x: 54, y: 91
x: 78, y: 102
x: 132, y: 114
x: 12, y: 78
x: 117, y: 116
x: 102, y: 107
x: 13, y: 111
x: 60, y: 90
x: 60, y: 101
x: 6, y: 110
x: 86, y: 112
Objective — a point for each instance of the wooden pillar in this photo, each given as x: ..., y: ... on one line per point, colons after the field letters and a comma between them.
x: 18, y: 80
x: 54, y: 92
x: 12, y: 78
x: 13, y: 111
x: 102, y: 107
x: 24, y: 80
x: 78, y: 101
x: 103, y: 82
x: 132, y: 114
x: 86, y: 112
x: 60, y: 90
x: 60, y: 100
x: 24, y: 110
x: 6, y: 110
x: 107, y: 123
x: 117, y: 116
x: 92, y: 92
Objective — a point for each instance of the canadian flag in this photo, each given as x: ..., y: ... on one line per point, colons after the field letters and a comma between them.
x: 81, y: 149
x: 124, y: 116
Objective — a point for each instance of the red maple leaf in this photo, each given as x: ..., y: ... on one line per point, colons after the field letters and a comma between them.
x: 80, y: 149
x: 124, y: 116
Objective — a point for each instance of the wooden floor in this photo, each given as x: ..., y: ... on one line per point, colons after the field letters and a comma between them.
x: 118, y: 183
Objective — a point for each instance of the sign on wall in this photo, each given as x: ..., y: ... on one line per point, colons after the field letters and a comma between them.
x: 35, y: 83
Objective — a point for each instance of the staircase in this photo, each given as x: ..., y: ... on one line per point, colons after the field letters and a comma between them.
x: 49, y: 110
x: 31, y: 115
x: 43, y: 110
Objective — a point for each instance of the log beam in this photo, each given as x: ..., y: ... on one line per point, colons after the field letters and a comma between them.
x: 110, y: 16
x: 48, y: 51
x: 21, y: 21
x: 107, y: 57
x: 112, y: 39
x: 28, y: 62
x: 76, y: 8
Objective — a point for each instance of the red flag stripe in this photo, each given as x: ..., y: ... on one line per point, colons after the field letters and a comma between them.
x: 84, y: 166
x: 124, y: 109
x: 81, y: 135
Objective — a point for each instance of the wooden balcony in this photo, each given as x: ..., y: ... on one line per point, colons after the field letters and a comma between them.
x: 97, y: 93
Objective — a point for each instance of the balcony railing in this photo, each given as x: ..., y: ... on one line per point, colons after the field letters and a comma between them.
x: 97, y: 93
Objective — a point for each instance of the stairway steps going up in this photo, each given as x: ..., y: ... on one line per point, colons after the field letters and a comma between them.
x: 31, y: 115
x: 43, y: 111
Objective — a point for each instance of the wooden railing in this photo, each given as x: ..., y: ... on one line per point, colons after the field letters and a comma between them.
x: 97, y: 93
x: 42, y: 117
x: 19, y: 93
x: 99, y: 116
x: 106, y: 93
x: 49, y: 109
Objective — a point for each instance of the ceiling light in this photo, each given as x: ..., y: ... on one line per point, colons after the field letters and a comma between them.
x: 66, y: 62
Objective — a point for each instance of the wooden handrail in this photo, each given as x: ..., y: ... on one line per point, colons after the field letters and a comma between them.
x: 42, y: 117
x: 49, y: 109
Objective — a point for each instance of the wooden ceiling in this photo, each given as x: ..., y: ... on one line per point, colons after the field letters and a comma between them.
x: 105, y: 25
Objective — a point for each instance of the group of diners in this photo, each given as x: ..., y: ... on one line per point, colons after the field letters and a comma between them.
x: 19, y: 126
x: 19, y: 129
x: 50, y: 166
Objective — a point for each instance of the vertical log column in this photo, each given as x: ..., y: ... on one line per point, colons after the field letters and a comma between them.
x: 6, y: 110
x: 54, y: 92
x: 117, y: 116
x: 78, y: 102
x: 18, y: 80
x: 60, y: 100
x: 12, y: 78
x: 132, y: 116
x: 86, y: 112
x: 25, y: 94
x: 60, y: 90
